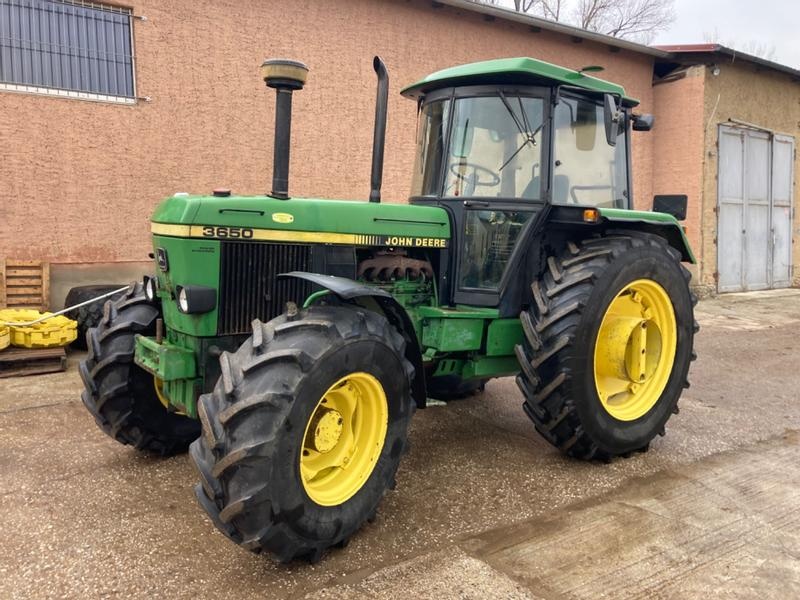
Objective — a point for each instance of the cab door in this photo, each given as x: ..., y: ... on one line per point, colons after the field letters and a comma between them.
x: 493, y: 182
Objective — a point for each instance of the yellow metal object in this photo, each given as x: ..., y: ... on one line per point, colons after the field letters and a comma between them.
x: 5, y: 337
x: 635, y: 350
x: 343, y: 439
x: 284, y: 69
x: 54, y: 332
x: 283, y: 235
x: 282, y: 217
x: 158, y: 384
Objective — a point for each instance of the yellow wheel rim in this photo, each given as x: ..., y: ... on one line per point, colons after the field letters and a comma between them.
x: 635, y: 350
x: 343, y: 439
x: 158, y: 384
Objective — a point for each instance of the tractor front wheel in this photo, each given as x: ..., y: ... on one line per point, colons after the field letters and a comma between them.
x: 304, y: 431
x: 124, y: 399
x: 607, y: 346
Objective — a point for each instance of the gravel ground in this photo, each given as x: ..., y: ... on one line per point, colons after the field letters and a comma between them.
x: 85, y: 517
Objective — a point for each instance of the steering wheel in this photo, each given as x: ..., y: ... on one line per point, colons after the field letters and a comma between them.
x: 475, y: 179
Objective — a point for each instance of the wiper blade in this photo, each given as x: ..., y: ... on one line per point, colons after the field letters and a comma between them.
x: 524, y: 130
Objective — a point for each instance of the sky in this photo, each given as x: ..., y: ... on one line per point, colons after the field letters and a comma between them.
x: 769, y: 23
x: 735, y: 23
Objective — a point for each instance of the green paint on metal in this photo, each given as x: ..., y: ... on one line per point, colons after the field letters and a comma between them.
x: 309, y: 215
x: 165, y: 360
x: 663, y: 223
x: 314, y: 297
x: 502, y: 336
x: 191, y: 262
x: 183, y: 395
x: 176, y: 209
x: 459, y: 312
x: 449, y: 367
x: 481, y: 367
x: 513, y: 70
x: 176, y: 365
x: 452, y: 335
x: 623, y: 214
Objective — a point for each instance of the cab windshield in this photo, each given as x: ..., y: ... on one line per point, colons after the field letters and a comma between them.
x: 494, y: 148
x: 491, y: 147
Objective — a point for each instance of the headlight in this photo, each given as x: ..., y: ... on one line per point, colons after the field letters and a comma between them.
x: 195, y: 299
x: 183, y: 300
x: 150, y: 287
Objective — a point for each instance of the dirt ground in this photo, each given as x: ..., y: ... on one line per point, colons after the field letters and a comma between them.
x: 483, y: 506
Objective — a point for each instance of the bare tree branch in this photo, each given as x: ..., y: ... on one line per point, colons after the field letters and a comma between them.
x: 751, y: 47
x: 639, y: 20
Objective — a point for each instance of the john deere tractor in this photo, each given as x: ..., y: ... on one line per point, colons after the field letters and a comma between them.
x: 286, y: 342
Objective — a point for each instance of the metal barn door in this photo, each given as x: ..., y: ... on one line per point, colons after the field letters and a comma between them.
x: 755, y: 210
x: 782, y: 179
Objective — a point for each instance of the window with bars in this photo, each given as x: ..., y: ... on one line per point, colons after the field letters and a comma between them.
x: 66, y: 47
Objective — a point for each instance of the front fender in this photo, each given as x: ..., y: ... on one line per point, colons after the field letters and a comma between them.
x: 351, y: 291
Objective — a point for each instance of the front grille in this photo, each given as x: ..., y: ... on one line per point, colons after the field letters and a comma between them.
x: 249, y: 288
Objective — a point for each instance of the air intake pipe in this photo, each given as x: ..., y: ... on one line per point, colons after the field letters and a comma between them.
x: 284, y: 76
x: 379, y: 135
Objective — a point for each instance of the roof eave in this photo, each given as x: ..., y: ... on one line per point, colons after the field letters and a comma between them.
x: 683, y: 51
x: 544, y: 24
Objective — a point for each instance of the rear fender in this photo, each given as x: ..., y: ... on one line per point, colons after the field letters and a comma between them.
x: 616, y: 219
x: 660, y: 224
x: 351, y: 291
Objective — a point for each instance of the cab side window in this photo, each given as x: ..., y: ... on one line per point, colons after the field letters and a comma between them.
x: 586, y: 170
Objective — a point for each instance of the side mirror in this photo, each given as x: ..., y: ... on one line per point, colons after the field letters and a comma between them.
x: 643, y: 122
x: 612, y: 116
x: 671, y: 204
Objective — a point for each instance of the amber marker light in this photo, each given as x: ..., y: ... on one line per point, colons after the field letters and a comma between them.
x: 591, y: 215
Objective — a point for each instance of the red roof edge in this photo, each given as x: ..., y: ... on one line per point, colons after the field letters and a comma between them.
x: 677, y: 50
x: 688, y: 47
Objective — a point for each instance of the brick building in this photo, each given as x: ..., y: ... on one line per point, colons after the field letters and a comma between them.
x: 728, y: 125
x: 165, y: 96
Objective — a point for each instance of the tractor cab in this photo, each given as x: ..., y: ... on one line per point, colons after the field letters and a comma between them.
x: 497, y: 141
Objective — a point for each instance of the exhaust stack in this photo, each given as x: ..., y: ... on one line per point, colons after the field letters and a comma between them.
x: 379, y: 135
x: 284, y: 76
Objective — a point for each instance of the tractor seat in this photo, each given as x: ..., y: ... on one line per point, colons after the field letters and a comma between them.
x: 560, y: 189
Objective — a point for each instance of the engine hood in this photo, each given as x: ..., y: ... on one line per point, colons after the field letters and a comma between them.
x: 302, y: 220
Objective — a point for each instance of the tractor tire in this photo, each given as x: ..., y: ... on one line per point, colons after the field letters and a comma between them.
x: 452, y: 387
x: 120, y: 395
x: 88, y: 316
x: 578, y: 367
x: 260, y: 482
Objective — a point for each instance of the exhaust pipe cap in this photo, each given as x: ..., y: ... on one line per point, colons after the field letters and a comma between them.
x: 282, y: 73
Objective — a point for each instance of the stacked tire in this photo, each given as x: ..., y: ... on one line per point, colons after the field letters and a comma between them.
x: 88, y: 316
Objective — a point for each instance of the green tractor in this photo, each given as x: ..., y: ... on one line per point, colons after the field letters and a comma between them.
x: 286, y: 342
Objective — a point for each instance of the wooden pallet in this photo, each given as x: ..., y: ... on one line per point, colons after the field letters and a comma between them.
x: 31, y: 361
x: 25, y: 284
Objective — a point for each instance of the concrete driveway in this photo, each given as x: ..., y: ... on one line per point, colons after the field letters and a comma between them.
x: 483, y: 507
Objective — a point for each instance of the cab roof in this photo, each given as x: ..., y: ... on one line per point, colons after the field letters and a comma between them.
x: 513, y: 71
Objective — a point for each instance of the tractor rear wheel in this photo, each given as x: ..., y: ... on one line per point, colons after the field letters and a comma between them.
x: 124, y: 399
x: 303, y: 433
x: 607, y: 346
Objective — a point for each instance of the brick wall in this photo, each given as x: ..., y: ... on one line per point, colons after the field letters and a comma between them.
x: 678, y: 142
x: 80, y: 179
